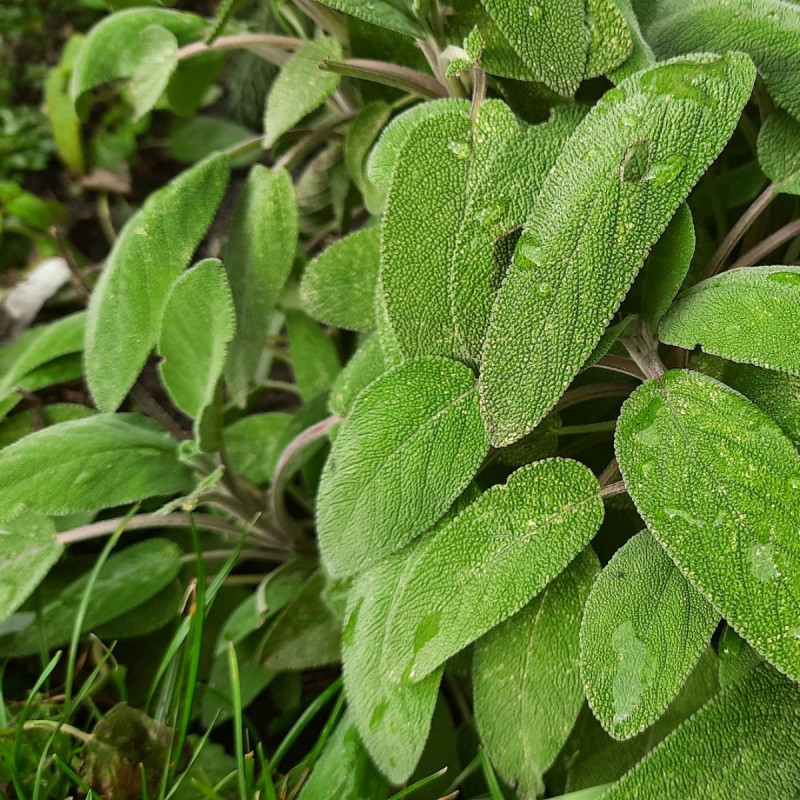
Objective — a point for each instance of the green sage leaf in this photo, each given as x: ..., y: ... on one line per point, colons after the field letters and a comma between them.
x: 779, y: 151
x: 258, y: 257
x: 390, y: 14
x: 411, y: 444
x: 643, y: 631
x: 300, y: 88
x: 127, y: 304
x: 315, y: 362
x: 718, y: 484
x: 525, y: 679
x: 365, y: 366
x: 198, y: 323
x: 97, y: 462
x: 748, y: 315
x: 611, y: 193
x: 741, y: 744
x: 28, y: 549
x: 497, y: 554
x: 338, y: 287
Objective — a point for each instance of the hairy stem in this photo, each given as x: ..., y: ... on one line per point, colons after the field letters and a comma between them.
x: 621, y: 364
x: 394, y: 75
x: 766, y: 246
x: 593, y: 391
x: 241, y: 40
x: 738, y: 230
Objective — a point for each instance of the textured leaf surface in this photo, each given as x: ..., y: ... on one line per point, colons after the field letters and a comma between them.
x: 360, y: 139
x: 365, y: 366
x: 525, y: 679
x: 127, y: 304
x: 300, y: 88
x: 610, y: 41
x: 548, y: 36
x: 641, y: 55
x: 97, y: 462
x: 718, y: 484
x: 779, y: 151
x: 391, y: 14
x: 742, y: 744
x: 767, y: 30
x: 258, y: 257
x: 774, y: 392
x: 197, y: 326
x: 130, y: 577
x: 497, y: 554
x: 344, y: 770
x: 456, y: 191
x: 643, y: 631
x: 338, y: 286
x: 748, y: 314
x: 393, y: 720
x: 28, y: 548
x: 113, y: 48
x: 315, y: 362
x: 594, y: 758
x: 611, y: 193
x: 667, y: 266
x: 411, y: 444
x: 383, y: 158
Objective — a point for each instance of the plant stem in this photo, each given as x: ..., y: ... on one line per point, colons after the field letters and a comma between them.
x: 766, y: 246
x: 154, y: 410
x: 737, y: 231
x: 609, y: 473
x: 478, y: 92
x: 241, y: 40
x: 621, y: 364
x: 104, y: 527
x: 592, y: 427
x: 325, y: 18
x: 310, y: 139
x: 591, y: 392
x: 394, y: 75
x: 612, y: 489
x: 284, y: 469
x: 244, y: 147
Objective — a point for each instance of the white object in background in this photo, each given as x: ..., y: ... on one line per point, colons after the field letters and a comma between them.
x: 24, y: 301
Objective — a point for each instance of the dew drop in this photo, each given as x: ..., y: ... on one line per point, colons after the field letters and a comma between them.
x: 666, y: 171
x: 794, y: 482
x: 378, y: 714
x: 427, y: 629
x: 792, y: 278
x: 459, y: 149
x: 535, y: 12
x: 762, y: 564
x: 544, y: 289
x: 635, y: 162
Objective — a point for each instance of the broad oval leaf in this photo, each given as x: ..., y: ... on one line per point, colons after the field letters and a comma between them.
x: 743, y: 743
x: 113, y: 49
x: 300, y: 88
x: 85, y: 464
x: 610, y: 40
x: 158, y: 59
x: 29, y: 547
x: 767, y: 30
x: 254, y: 443
x: 338, y: 287
x: 486, y: 564
x: 641, y: 55
x: 129, y: 577
x: 718, y: 485
x: 748, y: 314
x: 258, y: 257
x: 610, y: 195
x: 527, y: 689
x: 155, y: 246
x: 411, y: 444
x: 458, y: 188
x: 393, y: 720
x: 197, y: 325
x: 549, y: 37
x: 643, y: 630
x: 779, y: 151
